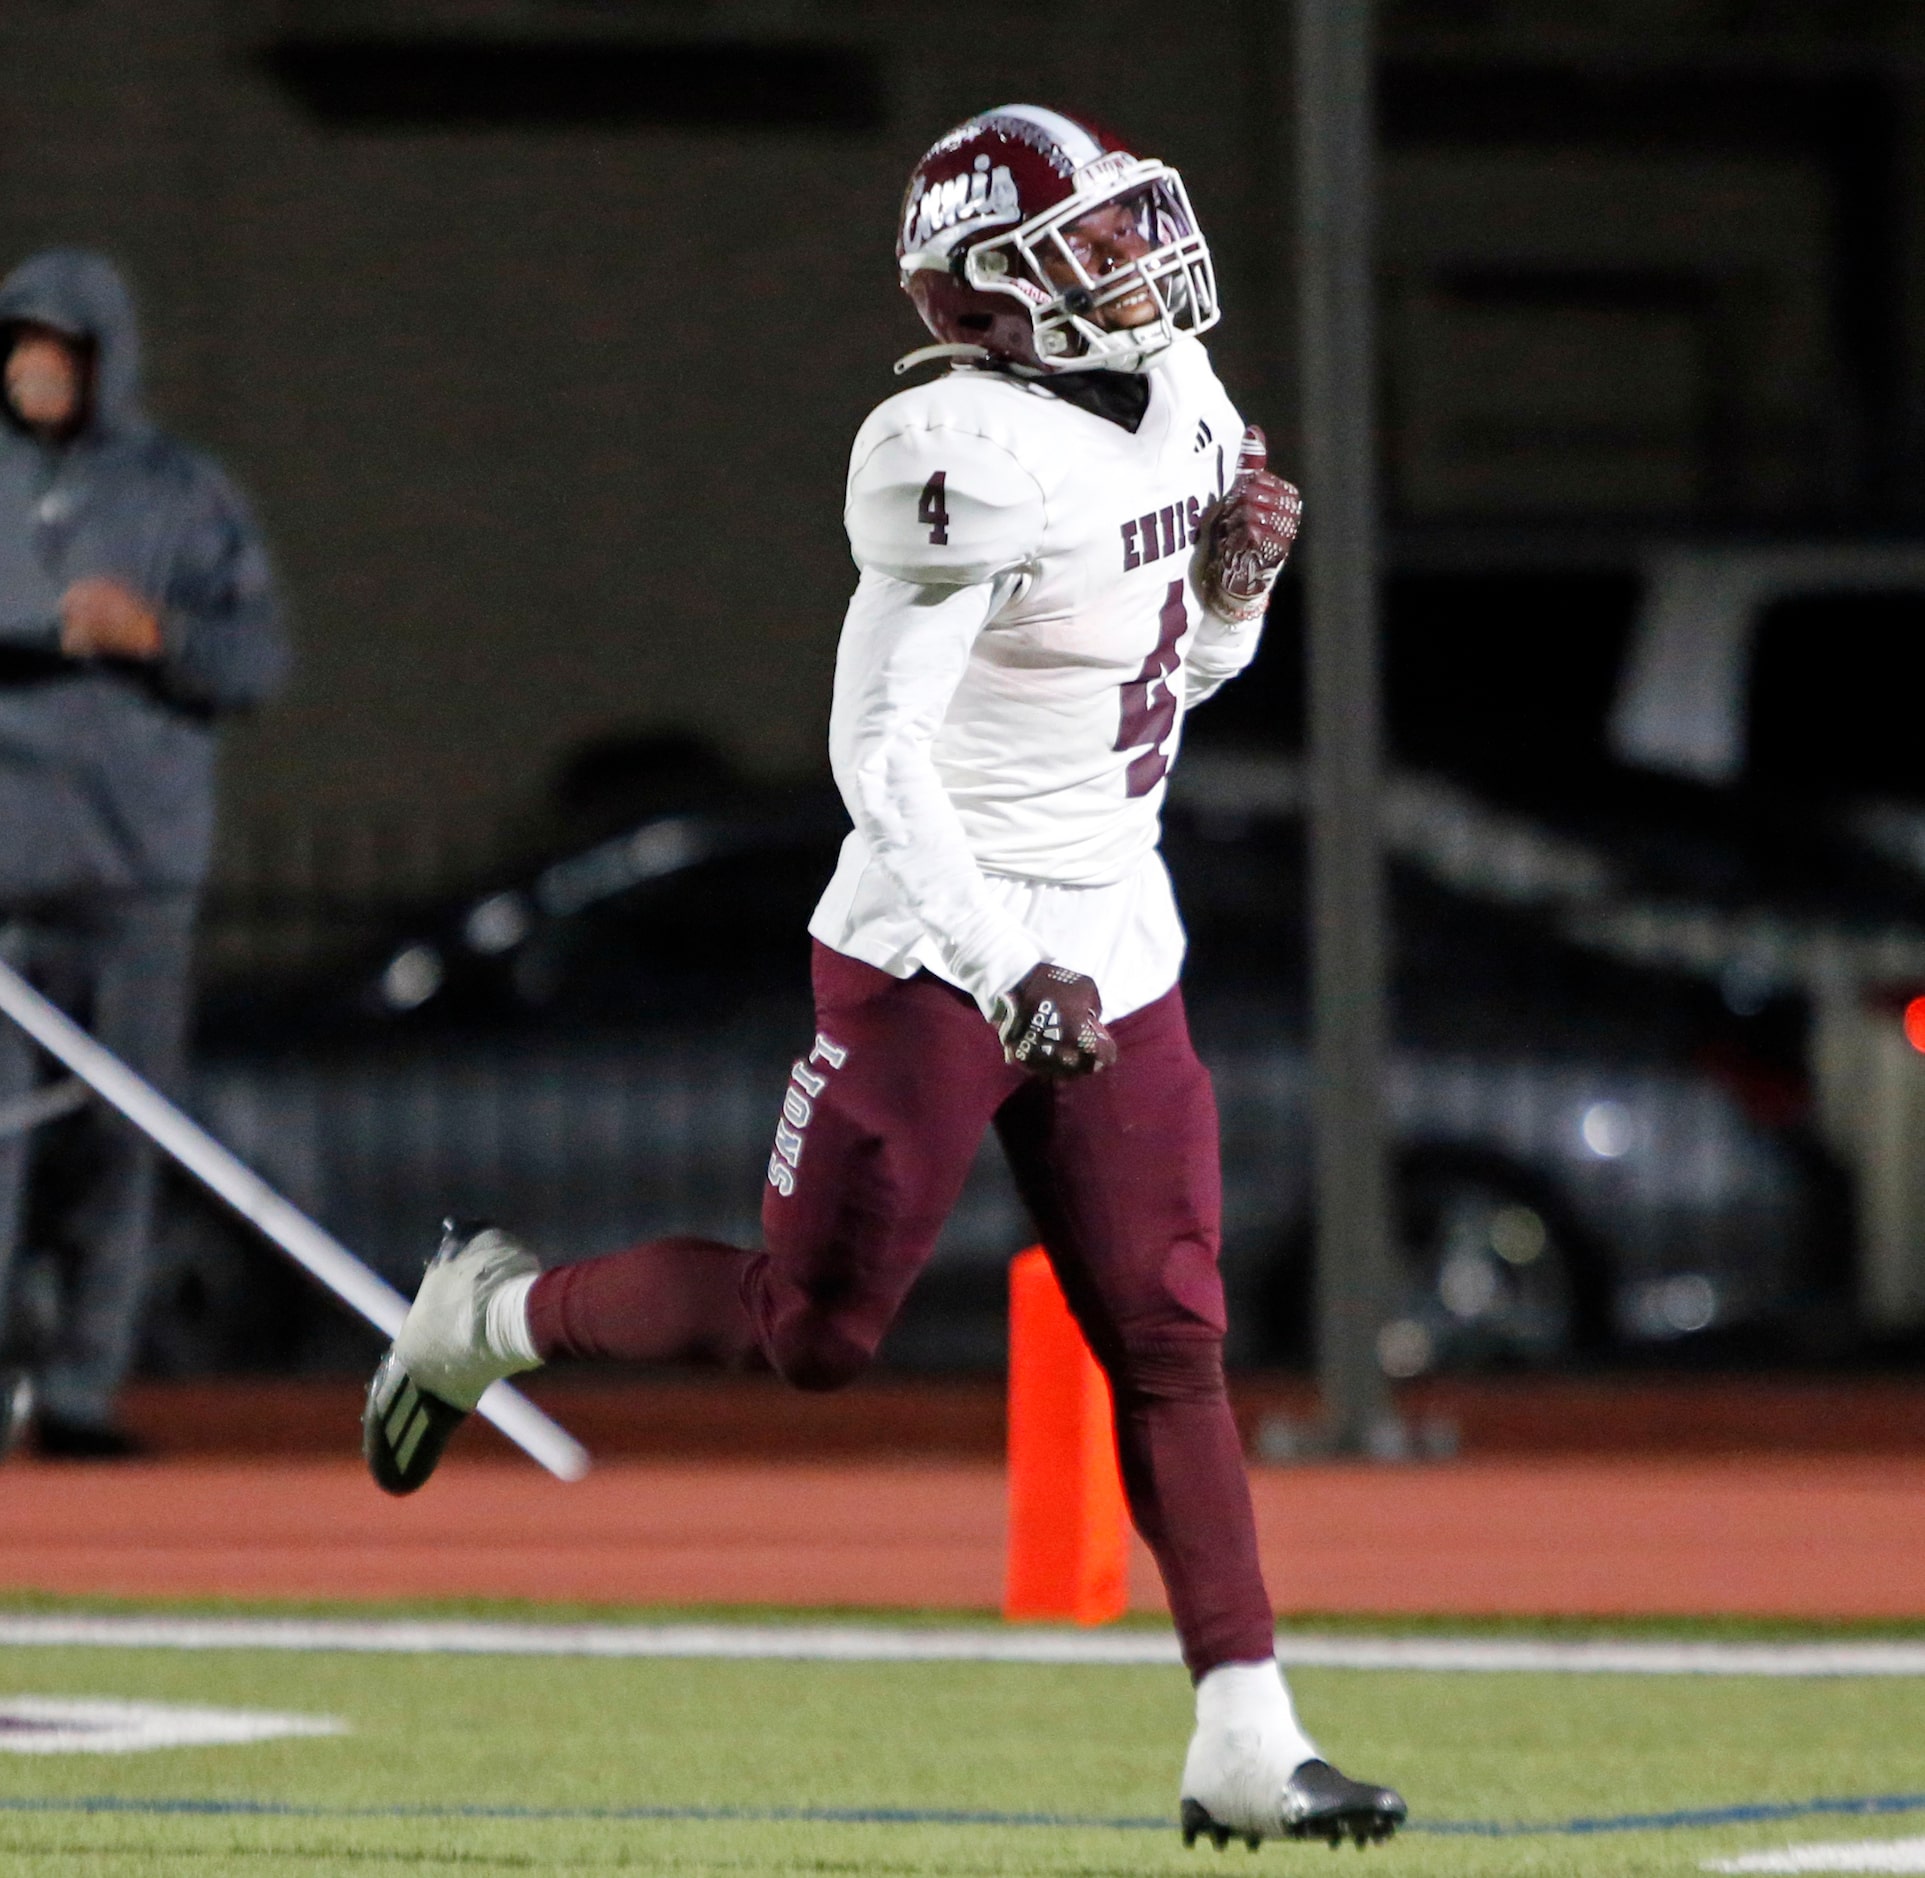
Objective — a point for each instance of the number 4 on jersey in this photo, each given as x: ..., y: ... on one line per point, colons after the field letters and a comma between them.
x: 1149, y: 699
x: 932, y: 511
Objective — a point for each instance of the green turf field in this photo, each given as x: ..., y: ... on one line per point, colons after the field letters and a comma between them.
x: 438, y: 1743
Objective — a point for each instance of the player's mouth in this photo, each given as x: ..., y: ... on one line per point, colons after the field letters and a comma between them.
x: 1136, y: 308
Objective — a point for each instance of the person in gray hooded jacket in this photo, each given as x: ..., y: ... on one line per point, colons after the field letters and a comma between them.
x: 137, y: 609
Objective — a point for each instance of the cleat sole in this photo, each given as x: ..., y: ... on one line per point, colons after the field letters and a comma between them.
x: 1363, y: 1827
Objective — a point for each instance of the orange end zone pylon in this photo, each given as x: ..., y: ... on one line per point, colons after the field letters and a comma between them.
x: 1068, y: 1526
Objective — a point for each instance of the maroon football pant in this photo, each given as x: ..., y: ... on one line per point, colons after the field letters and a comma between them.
x: 880, y: 1124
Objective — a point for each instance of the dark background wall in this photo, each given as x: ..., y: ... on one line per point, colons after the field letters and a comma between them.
x: 542, y: 361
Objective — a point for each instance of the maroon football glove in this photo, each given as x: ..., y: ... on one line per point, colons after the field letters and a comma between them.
x: 1051, y: 1024
x: 1247, y: 537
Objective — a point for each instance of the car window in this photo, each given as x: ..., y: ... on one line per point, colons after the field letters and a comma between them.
x: 1503, y: 673
x: 1837, y: 694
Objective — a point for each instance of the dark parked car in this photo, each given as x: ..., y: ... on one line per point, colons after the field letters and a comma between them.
x: 1641, y: 957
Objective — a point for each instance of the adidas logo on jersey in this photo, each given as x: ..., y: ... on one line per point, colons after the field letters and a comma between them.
x: 1205, y: 436
x: 1163, y: 532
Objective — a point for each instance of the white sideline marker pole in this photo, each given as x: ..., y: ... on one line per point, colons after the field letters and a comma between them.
x: 314, y: 1250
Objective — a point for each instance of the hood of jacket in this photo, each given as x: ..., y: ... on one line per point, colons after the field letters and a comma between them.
x: 83, y: 295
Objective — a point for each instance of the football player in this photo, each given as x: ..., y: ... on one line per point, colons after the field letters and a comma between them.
x: 1066, y: 539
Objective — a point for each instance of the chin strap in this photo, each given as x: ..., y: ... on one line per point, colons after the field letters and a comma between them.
x: 924, y: 355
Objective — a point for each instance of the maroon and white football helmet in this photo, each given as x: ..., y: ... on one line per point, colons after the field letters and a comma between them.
x: 985, y: 255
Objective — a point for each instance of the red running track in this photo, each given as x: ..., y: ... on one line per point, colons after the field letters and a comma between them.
x: 1808, y: 1537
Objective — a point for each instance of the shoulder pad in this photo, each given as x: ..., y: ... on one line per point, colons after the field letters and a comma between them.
x: 1188, y: 367
x: 937, y: 497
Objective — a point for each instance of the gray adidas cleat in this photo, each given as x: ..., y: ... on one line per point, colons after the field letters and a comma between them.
x: 440, y: 1364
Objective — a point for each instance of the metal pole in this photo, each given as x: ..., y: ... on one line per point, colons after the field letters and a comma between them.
x: 1335, y: 198
x: 363, y: 1291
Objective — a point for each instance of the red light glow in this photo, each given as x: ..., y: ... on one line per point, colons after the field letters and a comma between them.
x: 1915, y: 1024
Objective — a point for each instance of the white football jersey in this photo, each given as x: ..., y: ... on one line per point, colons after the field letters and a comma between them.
x: 1014, y: 671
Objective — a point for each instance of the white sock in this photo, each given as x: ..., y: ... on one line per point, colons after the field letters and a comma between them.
x: 505, y: 1324
x: 1254, y: 1696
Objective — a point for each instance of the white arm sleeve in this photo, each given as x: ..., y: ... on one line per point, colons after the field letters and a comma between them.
x: 903, y: 650
x: 1216, y: 655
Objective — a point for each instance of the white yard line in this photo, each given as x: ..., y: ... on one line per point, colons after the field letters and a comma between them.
x: 877, y: 1643
x: 51, y: 1724
x: 1617, y: 1657
x: 1860, y: 1855
x: 814, y: 1643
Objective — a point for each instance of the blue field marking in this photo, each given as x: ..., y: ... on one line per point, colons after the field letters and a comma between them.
x: 1764, y: 1812
x: 1761, y: 1812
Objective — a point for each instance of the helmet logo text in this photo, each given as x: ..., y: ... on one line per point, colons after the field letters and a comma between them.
x: 982, y: 195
